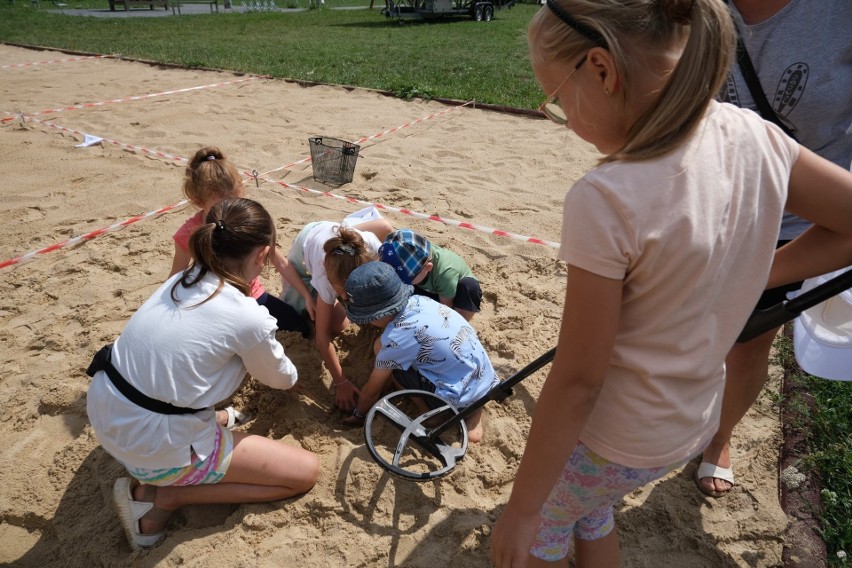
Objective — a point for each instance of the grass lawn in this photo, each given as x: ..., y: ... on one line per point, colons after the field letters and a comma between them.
x: 453, y: 58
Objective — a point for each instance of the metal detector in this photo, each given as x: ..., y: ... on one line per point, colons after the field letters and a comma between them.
x: 433, y: 441
x: 762, y: 321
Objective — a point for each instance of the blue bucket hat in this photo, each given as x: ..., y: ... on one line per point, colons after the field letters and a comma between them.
x: 407, y: 252
x: 375, y: 291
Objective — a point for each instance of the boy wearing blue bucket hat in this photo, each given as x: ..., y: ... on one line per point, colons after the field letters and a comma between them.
x: 425, y: 345
x: 435, y: 272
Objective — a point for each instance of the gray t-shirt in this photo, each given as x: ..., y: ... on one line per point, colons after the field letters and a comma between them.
x: 803, y: 59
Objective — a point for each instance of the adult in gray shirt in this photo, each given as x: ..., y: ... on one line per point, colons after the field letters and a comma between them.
x: 802, y: 53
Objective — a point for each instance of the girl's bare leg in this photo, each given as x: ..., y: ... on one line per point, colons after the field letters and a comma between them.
x: 747, y: 370
x: 600, y: 553
x: 261, y: 470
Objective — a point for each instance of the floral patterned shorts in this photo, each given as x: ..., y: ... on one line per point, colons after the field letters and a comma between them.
x: 581, y: 502
x: 199, y: 472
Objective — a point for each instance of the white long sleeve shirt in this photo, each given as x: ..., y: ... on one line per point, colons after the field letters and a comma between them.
x: 190, y: 355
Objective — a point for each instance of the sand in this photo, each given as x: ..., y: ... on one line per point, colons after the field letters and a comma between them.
x: 495, y: 170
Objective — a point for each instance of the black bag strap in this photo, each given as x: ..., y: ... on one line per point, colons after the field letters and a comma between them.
x: 101, y: 362
x: 756, y: 90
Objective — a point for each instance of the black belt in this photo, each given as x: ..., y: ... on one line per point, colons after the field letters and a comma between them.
x: 101, y: 362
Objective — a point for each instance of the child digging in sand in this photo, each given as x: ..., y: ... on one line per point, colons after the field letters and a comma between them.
x: 436, y: 272
x: 209, y: 178
x: 187, y: 348
x: 320, y: 258
x: 424, y: 345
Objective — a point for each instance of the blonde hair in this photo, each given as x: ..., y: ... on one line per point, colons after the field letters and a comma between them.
x: 234, y: 229
x: 649, y: 27
x: 344, y: 253
x: 210, y: 176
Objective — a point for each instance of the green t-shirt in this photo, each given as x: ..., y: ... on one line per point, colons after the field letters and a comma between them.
x: 447, y: 269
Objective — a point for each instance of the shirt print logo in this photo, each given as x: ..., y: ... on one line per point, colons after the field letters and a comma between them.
x: 790, y: 88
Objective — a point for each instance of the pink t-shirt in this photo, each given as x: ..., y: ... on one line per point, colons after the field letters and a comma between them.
x: 181, y: 238
x: 691, y: 235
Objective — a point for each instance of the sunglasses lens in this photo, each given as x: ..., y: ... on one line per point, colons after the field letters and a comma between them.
x: 554, y: 112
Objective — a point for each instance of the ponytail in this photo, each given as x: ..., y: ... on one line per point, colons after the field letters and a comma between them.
x: 209, y: 176
x: 234, y: 230
x: 629, y: 27
x: 344, y: 253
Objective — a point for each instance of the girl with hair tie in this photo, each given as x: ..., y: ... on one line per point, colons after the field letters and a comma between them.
x: 187, y: 348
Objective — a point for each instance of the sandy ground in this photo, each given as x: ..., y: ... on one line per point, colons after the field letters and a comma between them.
x: 491, y: 169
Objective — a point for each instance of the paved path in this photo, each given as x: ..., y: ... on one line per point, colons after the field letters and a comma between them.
x: 185, y: 9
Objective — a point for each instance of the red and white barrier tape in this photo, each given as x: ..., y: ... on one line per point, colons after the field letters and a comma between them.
x: 135, y: 98
x: 130, y: 147
x: 92, y: 234
x: 379, y: 135
x: 436, y: 218
x: 31, y: 63
x: 256, y: 177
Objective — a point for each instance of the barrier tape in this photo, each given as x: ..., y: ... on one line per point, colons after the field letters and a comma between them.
x: 31, y: 63
x: 130, y: 147
x: 92, y: 234
x: 257, y: 177
x: 409, y: 212
x: 136, y: 97
x: 379, y: 135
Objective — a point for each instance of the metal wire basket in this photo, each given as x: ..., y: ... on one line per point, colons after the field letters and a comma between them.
x: 333, y: 160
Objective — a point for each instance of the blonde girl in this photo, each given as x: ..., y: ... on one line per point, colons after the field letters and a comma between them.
x: 187, y: 348
x: 668, y: 244
x: 208, y: 179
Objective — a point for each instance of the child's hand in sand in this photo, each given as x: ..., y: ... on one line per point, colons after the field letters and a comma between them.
x: 354, y: 420
x: 345, y: 395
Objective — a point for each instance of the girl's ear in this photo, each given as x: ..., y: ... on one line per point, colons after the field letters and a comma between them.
x: 604, y: 69
x: 262, y: 255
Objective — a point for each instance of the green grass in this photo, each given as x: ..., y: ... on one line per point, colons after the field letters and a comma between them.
x: 828, y: 426
x: 452, y: 58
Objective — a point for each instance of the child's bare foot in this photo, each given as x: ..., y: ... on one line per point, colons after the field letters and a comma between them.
x: 475, y: 430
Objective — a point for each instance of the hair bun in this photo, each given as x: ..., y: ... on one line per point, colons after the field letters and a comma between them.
x: 677, y: 11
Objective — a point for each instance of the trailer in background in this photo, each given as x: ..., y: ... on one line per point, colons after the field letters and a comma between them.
x: 479, y: 10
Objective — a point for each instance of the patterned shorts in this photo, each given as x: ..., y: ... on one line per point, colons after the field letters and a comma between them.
x: 581, y: 502
x: 199, y: 472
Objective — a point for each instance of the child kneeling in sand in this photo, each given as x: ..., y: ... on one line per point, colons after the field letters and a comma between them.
x: 425, y: 345
x: 435, y: 272
x: 187, y: 348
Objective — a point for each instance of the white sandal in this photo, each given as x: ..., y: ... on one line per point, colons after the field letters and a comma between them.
x: 130, y: 511
x: 711, y: 470
x: 235, y: 418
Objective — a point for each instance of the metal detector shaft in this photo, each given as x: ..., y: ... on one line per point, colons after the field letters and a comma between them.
x: 499, y: 391
x: 762, y: 321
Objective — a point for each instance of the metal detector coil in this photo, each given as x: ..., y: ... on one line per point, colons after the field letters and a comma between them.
x: 431, y: 443
x: 415, y: 453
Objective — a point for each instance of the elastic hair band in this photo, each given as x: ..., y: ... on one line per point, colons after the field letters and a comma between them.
x: 344, y: 249
x: 590, y: 33
x: 220, y: 225
x: 211, y: 157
